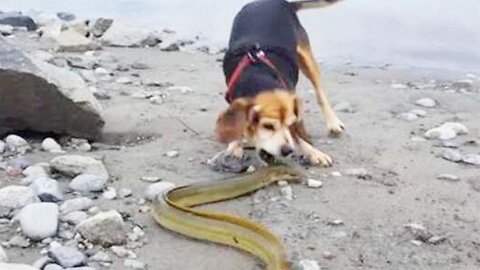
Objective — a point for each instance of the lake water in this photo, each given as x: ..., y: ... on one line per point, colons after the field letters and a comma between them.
x: 437, y: 34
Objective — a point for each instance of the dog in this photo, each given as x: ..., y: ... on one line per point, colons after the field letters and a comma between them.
x: 267, y: 48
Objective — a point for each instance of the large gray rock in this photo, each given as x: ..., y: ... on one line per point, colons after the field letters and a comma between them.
x: 66, y: 256
x: 100, y: 26
x: 88, y: 183
x: 38, y: 96
x: 18, y: 20
x: 47, y: 189
x: 15, y: 197
x: 76, y: 204
x: 39, y: 220
x: 106, y: 228
x: 73, y: 165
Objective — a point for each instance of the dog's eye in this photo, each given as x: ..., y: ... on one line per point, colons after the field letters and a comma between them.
x: 269, y: 127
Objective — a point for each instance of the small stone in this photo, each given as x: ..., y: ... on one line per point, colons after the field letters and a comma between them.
x: 448, y: 177
x: 459, y: 128
x: 110, y: 193
x: 451, y: 155
x: 123, y: 80
x: 287, y: 192
x: 53, y: 266
x: 3, y: 146
x: 463, y: 84
x: 15, y: 143
x: 76, y: 204
x: 94, y: 210
x: 251, y: 169
x: 328, y: 255
x: 345, y: 107
x: 156, y: 100
x: 39, y: 220
x: 472, y: 159
x: 419, y: 113
x: 88, y: 183
x: 3, y: 255
x: 6, y: 29
x: 156, y: 189
x: 102, y: 71
x: 308, y: 265
x: 105, y: 228
x: 417, y: 139
x: 416, y: 242
x: 426, y: 102
x: 16, y: 197
x: 73, y: 165
x: 34, y: 171
x: 172, y: 154
x: 66, y: 256
x: 336, y: 222
x: 312, y: 183
x: 358, y: 172
x: 409, y: 117
x: 139, y: 65
x: 441, y: 133
x: 19, y: 241
x: 102, y: 257
x: 434, y: 240
x: 134, y: 264
x: 100, y: 26
x: 336, y: 174
x: 151, y: 179
x: 120, y: 251
x: 51, y: 146
x: 47, y: 189
x: 74, y: 218
x: 124, y: 193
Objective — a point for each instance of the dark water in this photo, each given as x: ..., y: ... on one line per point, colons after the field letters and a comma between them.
x: 439, y: 34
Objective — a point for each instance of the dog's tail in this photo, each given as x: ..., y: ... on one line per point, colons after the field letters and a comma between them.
x: 306, y: 4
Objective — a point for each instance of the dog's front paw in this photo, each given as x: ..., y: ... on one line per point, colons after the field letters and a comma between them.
x: 335, y: 127
x: 319, y: 158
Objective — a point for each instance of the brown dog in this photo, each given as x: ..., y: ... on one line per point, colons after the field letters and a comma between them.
x: 267, y: 47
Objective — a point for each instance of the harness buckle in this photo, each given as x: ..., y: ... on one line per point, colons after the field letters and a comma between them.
x: 255, y: 55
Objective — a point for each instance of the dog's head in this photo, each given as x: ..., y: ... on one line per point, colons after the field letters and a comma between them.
x: 266, y: 121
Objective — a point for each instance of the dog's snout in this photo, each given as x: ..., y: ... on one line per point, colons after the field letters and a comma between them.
x: 286, y: 150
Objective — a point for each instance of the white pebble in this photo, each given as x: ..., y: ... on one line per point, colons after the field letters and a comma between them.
x: 426, y: 102
x: 312, y: 183
x: 110, y: 193
x: 287, y: 192
x: 172, y: 154
x: 51, y: 146
x: 309, y: 265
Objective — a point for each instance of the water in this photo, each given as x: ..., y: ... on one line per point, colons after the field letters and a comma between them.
x: 437, y: 34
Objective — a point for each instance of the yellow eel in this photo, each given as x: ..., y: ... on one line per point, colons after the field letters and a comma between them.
x: 174, y: 211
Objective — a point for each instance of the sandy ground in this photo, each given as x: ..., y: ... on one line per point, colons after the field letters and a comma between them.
x: 401, y: 188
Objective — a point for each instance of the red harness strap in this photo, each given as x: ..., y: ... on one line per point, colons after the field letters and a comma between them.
x: 247, y: 60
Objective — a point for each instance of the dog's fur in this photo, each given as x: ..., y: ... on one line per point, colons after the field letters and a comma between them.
x: 265, y: 115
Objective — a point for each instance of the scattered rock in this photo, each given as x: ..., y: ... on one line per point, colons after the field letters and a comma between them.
x: 172, y: 154
x: 336, y: 222
x: 73, y: 41
x: 158, y: 188
x: 110, y: 193
x: 66, y: 256
x: 472, y: 159
x: 74, y: 218
x: 63, y: 103
x: 308, y: 265
x: 42, y: 262
x: 101, y: 257
x: 451, y: 155
x: 151, y: 179
x: 53, y: 266
x: 441, y: 133
x: 15, y: 197
x: 73, y: 165
x: 459, y: 128
x: 139, y: 65
x: 76, y: 204
x: 426, y: 102
x: 125, y: 35
x: 39, y: 220
x: 34, y: 171
x: 448, y: 177
x: 82, y: 63
x: 336, y: 174
x: 14, y: 266
x: 100, y: 26
x: 47, y: 189
x: 6, y: 30
x: 312, y: 183
x: 328, y: 255
x: 345, y: 107
x: 65, y: 16
x: 409, y: 117
x: 88, y: 183
x: 436, y: 239
x: 133, y: 264
x: 18, y: 20
x: 105, y: 228
x: 15, y: 143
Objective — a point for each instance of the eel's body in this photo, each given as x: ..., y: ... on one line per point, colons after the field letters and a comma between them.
x: 174, y: 211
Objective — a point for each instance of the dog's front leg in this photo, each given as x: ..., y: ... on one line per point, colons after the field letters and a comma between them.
x: 315, y: 156
x: 235, y: 149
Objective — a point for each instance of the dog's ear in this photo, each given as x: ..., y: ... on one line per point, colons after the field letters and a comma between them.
x: 231, y: 124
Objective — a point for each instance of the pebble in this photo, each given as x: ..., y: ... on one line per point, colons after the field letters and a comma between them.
x: 19, y: 241
x: 409, y: 117
x: 451, y: 155
x: 136, y: 234
x: 328, y: 255
x: 426, y: 102
x: 74, y: 218
x: 156, y: 100
x: 94, y: 210
x: 88, y: 183
x: 448, y: 177
x: 122, y: 252
x: 66, y: 256
x: 73, y: 165
x: 287, y: 192
x: 53, y: 266
x: 312, y: 183
x: 158, y: 188
x: 51, y: 146
x: 358, y: 172
x: 417, y: 139
x: 336, y: 174
x: 441, y: 133
x: 308, y: 265
x: 34, y: 171
x: 16, y: 197
x: 47, y: 189
x: 105, y: 228
x: 344, y: 106
x: 110, y: 193
x: 139, y: 65
x: 15, y: 143
x: 336, y: 222
x: 125, y: 193
x: 459, y: 128
x: 172, y: 154
x: 472, y: 159
x: 436, y: 239
x: 151, y: 179
x: 102, y: 257
x: 6, y: 29
x: 39, y: 220
x: 76, y: 204
x: 102, y: 71
x: 133, y: 264
x: 3, y: 255
x: 3, y: 146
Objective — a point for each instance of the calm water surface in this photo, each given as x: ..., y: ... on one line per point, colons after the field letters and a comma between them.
x: 438, y: 34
